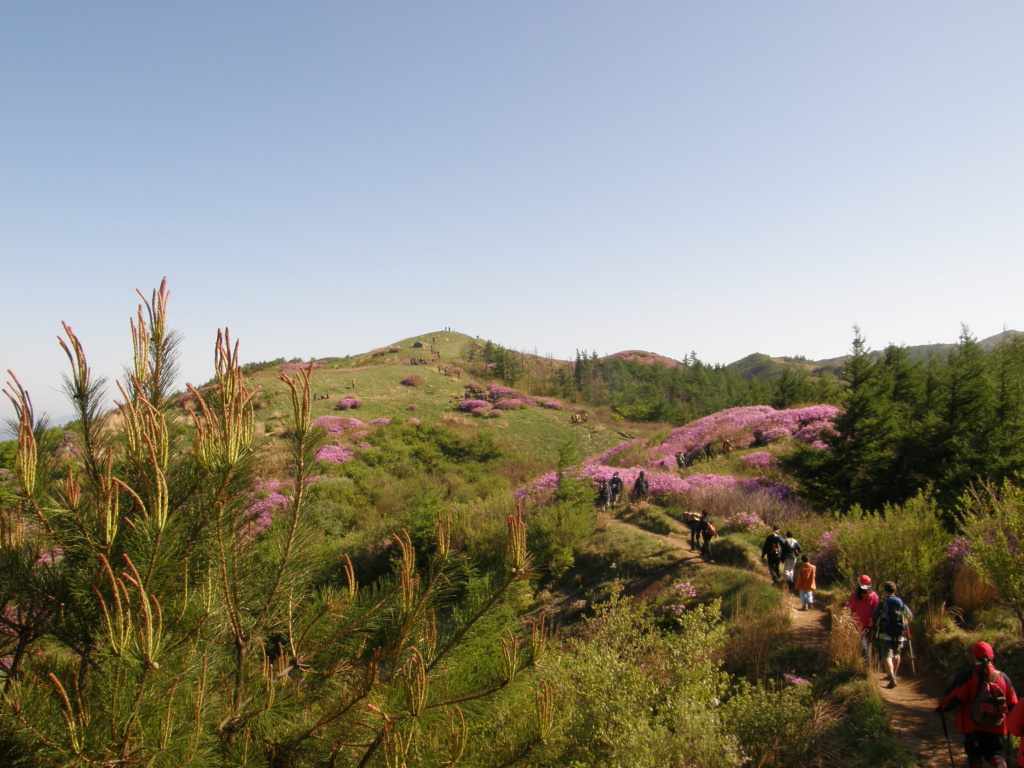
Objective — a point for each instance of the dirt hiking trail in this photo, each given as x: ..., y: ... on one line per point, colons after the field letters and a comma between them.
x: 910, y: 706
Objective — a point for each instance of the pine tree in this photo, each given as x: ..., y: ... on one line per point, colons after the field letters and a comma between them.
x: 156, y: 614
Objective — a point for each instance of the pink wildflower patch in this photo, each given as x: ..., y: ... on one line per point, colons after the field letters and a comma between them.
x: 364, y: 445
x: 746, y: 426
x: 497, y: 392
x: 260, y: 514
x: 413, y: 422
x: 335, y: 454
x: 347, y: 403
x: 413, y: 407
x: 381, y: 422
x: 758, y: 459
x: 474, y: 406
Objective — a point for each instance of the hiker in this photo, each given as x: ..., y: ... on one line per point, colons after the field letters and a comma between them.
x: 790, y: 552
x: 772, y: 550
x: 603, y: 495
x: 707, y: 532
x: 890, y: 619
x: 805, y: 584
x: 709, y: 450
x: 695, y: 524
x: 726, y: 445
x: 640, y: 487
x: 862, y: 605
x: 681, y: 460
x: 1015, y: 726
x: 983, y: 696
x: 615, y: 487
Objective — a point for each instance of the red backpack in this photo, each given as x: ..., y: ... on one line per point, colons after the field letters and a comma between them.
x: 988, y: 710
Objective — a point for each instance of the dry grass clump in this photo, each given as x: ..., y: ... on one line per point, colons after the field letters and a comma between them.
x: 969, y: 591
x: 844, y: 642
x: 758, y: 630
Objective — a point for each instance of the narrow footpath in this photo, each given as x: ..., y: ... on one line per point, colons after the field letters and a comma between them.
x: 911, y: 705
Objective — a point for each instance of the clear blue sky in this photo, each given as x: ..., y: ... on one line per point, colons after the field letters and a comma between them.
x: 329, y: 177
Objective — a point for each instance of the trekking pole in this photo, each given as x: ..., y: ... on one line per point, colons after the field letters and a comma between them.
x: 910, y: 647
x: 942, y: 716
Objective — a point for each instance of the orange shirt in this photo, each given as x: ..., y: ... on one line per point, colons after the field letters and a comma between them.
x: 805, y: 578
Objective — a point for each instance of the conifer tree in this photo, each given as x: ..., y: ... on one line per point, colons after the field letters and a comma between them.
x: 156, y: 615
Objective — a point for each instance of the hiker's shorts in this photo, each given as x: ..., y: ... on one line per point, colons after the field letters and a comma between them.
x: 890, y: 649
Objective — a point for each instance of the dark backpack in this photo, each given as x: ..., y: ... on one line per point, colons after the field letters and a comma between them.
x: 988, y: 710
x: 891, y: 622
x: 775, y: 548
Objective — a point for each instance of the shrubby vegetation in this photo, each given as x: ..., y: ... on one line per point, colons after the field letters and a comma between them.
x: 368, y: 591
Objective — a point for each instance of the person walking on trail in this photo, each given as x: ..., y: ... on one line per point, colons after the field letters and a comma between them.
x: 695, y: 525
x: 772, y: 550
x: 891, y: 619
x: 1015, y: 727
x: 805, y: 583
x: 603, y: 495
x: 640, y: 487
x: 615, y: 487
x: 862, y: 604
x: 983, y: 697
x: 790, y: 553
x: 707, y: 533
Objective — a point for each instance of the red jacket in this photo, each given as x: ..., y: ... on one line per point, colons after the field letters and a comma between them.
x: 961, y: 694
x: 863, y: 608
x: 1015, y: 726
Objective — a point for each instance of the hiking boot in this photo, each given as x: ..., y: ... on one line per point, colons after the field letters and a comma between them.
x: 892, y: 682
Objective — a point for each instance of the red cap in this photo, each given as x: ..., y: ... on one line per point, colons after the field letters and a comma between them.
x: 983, y: 651
x: 865, y: 580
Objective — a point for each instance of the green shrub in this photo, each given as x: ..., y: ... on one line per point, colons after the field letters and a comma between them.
x: 772, y: 726
x: 995, y: 528
x: 905, y: 544
x: 629, y: 695
x: 553, y: 532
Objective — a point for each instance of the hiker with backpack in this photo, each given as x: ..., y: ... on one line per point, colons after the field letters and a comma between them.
x: 707, y: 533
x: 603, y: 495
x: 615, y: 487
x: 890, y: 619
x: 772, y: 550
x: 640, y: 487
x: 790, y: 552
x: 862, y: 604
x: 983, y: 697
x: 695, y: 524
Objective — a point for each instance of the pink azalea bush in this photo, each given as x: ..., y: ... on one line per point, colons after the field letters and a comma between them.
x: 413, y: 407
x: 497, y: 392
x: 758, y: 459
x: 663, y: 486
x: 414, y: 422
x: 381, y: 422
x: 412, y: 380
x: 474, y: 406
x: 348, y: 402
x: 260, y: 513
x: 745, y: 426
x: 335, y: 454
